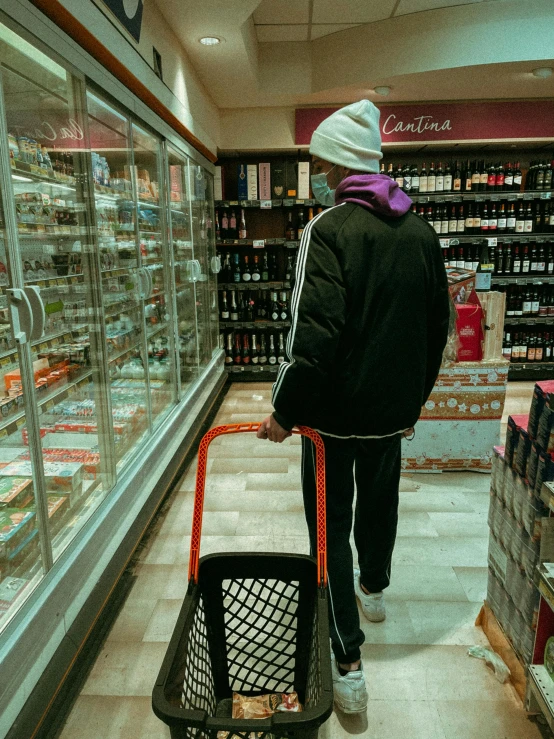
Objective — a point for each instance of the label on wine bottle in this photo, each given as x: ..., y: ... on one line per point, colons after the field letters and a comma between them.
x: 517, y: 267
x: 439, y: 183
x: 517, y: 180
x: 476, y: 221
x: 452, y: 226
x: 422, y: 184
x: 246, y: 277
x: 551, y: 220
x: 461, y: 226
x: 273, y: 360
x: 255, y: 360
x: 502, y: 223
x: 437, y: 226
x: 520, y: 226
x: 444, y: 227
x: 508, y: 180
x: 469, y: 222
x: 225, y: 315
x: 528, y: 227
x: 256, y: 277
x: 511, y: 222
x: 447, y: 182
x: 526, y: 266
x: 484, y: 224
x: 234, y: 316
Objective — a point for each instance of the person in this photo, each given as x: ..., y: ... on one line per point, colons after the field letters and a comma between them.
x: 370, y: 314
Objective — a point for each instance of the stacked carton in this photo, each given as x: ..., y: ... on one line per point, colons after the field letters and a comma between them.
x: 517, y: 518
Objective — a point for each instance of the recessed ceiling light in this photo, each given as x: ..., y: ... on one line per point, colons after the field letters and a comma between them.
x: 543, y: 72
x: 210, y: 40
x: 384, y: 91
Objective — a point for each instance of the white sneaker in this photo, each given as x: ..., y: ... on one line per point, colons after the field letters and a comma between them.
x: 350, y: 690
x: 373, y: 606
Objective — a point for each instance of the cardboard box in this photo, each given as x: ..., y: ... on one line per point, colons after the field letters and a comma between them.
x: 15, y: 526
x: 291, y: 178
x: 264, y: 172
x: 303, y: 180
x: 15, y: 492
x: 252, y: 179
x: 61, y: 477
x: 278, y: 180
x: 494, y: 307
x: 242, y: 182
x: 461, y: 283
x: 469, y: 328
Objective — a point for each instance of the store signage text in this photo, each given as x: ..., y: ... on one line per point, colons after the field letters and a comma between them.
x: 435, y: 122
x: 419, y: 125
x: 45, y: 131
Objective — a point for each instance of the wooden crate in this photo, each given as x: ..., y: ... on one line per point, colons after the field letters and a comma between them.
x: 494, y: 305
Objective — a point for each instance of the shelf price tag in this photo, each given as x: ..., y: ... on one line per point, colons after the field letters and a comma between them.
x: 265, y: 204
x: 20, y: 422
x: 492, y: 241
x: 445, y: 243
x: 258, y: 243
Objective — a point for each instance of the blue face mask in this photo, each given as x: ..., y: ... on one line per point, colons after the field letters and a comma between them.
x: 321, y: 190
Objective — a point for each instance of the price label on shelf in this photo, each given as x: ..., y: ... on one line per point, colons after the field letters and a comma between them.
x: 258, y: 243
x: 20, y: 422
x: 445, y: 243
x: 492, y: 241
x: 265, y: 204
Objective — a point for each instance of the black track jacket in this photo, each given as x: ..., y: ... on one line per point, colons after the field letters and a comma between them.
x: 369, y: 312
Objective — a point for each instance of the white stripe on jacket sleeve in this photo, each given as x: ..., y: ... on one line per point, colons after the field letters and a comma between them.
x: 295, y: 302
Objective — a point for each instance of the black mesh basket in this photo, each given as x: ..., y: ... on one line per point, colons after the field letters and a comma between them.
x: 251, y: 624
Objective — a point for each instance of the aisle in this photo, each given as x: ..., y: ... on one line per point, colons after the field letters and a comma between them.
x: 422, y: 684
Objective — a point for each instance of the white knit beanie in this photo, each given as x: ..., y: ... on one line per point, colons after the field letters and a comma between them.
x: 350, y: 137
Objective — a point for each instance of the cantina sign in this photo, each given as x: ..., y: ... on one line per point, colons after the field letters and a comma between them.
x: 448, y: 122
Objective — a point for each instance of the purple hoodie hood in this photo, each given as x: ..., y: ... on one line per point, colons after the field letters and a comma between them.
x: 376, y: 192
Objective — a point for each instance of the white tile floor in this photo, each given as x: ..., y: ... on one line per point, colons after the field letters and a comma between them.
x: 422, y: 684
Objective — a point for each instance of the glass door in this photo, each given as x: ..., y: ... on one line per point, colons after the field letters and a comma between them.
x: 200, y: 223
x: 160, y: 377
x: 123, y: 279
x: 214, y: 263
x: 54, y: 463
x: 184, y: 269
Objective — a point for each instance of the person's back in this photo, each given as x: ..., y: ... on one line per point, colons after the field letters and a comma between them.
x: 370, y: 313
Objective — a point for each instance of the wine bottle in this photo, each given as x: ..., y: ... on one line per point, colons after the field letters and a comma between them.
x: 415, y: 180
x: 541, y: 260
x: 281, y: 353
x: 246, y: 274
x: 485, y: 218
x: 502, y: 224
x: 229, y: 350
x: 236, y: 268
x: 273, y: 271
x: 483, y: 176
x: 246, y: 349
x: 527, y: 303
x: 529, y: 220
x: 265, y: 269
x: 461, y: 227
x: 431, y: 179
x: 444, y: 219
x: 256, y: 274
x: 242, y: 230
x: 476, y: 219
x: 263, y: 352
x: 508, y: 177
x: 272, y: 358
x: 407, y: 174
x: 224, y: 307
x: 254, y: 354
x: 290, y: 233
x: 275, y: 311
x: 525, y: 262
x: 511, y: 222
x: 448, y: 179
x: 475, y: 177
x: 453, y: 220
x: 234, y: 307
x: 491, y: 177
x: 423, y: 180
x: 457, y: 179
x: 539, y: 177
x: 469, y: 218
x: 437, y: 218
x: 500, y: 176
x: 508, y: 259
x: 233, y: 226
x: 217, y: 227
x: 517, y: 178
x: 493, y: 219
x: 549, y: 259
x: 301, y: 224
x: 439, y: 179
x: 237, y: 354
x: 499, y: 260
x: 225, y: 226
x: 399, y: 177
x: 289, y: 270
x: 284, y: 314
x: 507, y: 347
x: 548, y: 176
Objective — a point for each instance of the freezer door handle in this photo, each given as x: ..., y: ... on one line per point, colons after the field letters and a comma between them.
x: 21, y: 315
x: 37, y: 307
x: 216, y: 265
x: 146, y: 283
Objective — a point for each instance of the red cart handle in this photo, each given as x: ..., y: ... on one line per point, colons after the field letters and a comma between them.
x: 200, y: 487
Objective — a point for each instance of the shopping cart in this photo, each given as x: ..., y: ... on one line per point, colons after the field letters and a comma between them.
x: 251, y: 623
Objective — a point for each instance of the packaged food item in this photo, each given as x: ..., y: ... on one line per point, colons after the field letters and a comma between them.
x: 515, y: 424
x: 262, y: 706
x: 469, y: 327
x: 16, y: 526
x: 522, y: 454
x: 15, y: 492
x: 461, y: 283
x: 61, y: 477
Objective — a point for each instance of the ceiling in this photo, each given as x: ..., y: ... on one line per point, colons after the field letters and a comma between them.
x: 278, y: 53
x: 307, y: 20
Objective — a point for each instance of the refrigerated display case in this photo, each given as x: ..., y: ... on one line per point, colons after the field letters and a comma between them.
x: 107, y: 294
